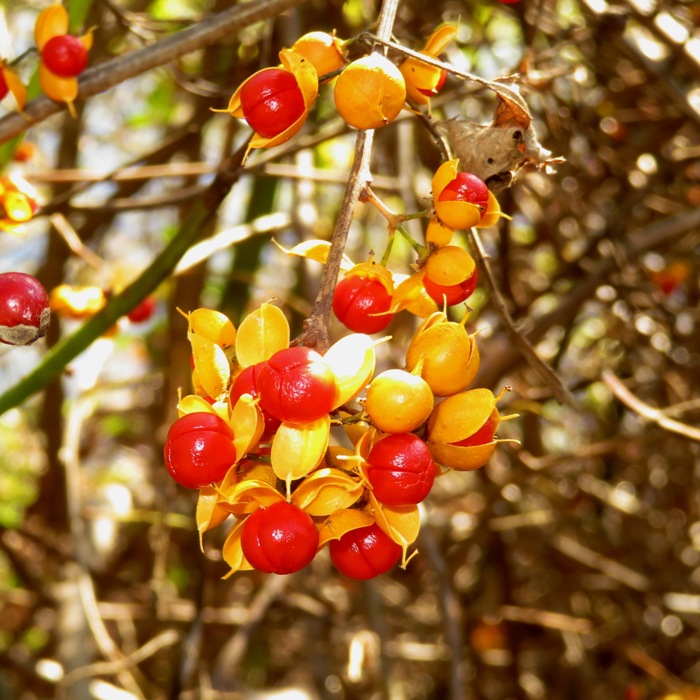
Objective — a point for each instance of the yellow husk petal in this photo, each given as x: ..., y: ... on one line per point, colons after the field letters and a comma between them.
x: 352, y: 360
x: 372, y: 271
x: 419, y: 76
x: 458, y: 215
x: 313, y: 249
x: 401, y: 523
x: 261, y: 334
x: 439, y: 39
x: 209, y: 513
x: 341, y: 522
x: 213, y: 325
x: 212, y: 365
x: 249, y: 495
x: 444, y: 176
x: 232, y: 551
x: 194, y: 404
x: 53, y: 21
x: 449, y: 265
x: 462, y: 458
x: 325, y: 491
x: 248, y: 425
x: 58, y: 88
x: 298, y: 449
x: 86, y: 40
x: 411, y: 295
x: 16, y: 87
x: 461, y: 415
x: 492, y: 214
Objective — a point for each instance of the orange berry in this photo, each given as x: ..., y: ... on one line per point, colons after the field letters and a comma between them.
x: 398, y: 401
x: 370, y: 92
x: 322, y: 50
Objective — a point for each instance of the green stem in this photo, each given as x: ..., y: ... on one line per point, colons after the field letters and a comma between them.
x: 62, y: 353
x: 421, y: 250
x: 389, y: 246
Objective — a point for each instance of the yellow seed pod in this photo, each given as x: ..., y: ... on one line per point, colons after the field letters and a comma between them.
x: 370, y: 92
x: 449, y: 265
x: 341, y: 522
x: 213, y: 325
x: 450, y: 355
x: 232, y: 552
x: 352, y: 360
x: 212, y: 365
x: 438, y: 234
x: 400, y: 523
x: 209, y: 512
x: 492, y: 214
x: 326, y: 490
x: 298, y: 449
x: 463, y: 459
x: 398, y: 401
x: 324, y: 51
x: 261, y: 334
x: 460, y: 416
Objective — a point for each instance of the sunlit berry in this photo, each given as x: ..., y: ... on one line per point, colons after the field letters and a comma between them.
x: 370, y: 92
x: 65, y: 55
x: 324, y: 51
x: 279, y: 539
x: 296, y: 385
x: 199, y: 449
x: 466, y: 187
x: 143, y: 311
x: 398, y: 401
x: 24, y: 309
x: 357, y: 300
x: 449, y: 355
x: 364, y: 553
x: 272, y: 101
x: 246, y: 382
x: 460, y: 198
x: 401, y: 470
x: 451, y: 294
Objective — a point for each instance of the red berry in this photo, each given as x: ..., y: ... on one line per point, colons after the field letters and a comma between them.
x: 482, y: 436
x: 271, y: 101
x: 364, y: 553
x: 354, y: 300
x: 199, y: 449
x: 247, y: 383
x: 143, y: 311
x: 24, y: 309
x: 65, y: 56
x: 466, y: 187
x: 279, y: 539
x: 450, y: 294
x: 401, y: 469
x: 4, y: 89
x: 296, y: 385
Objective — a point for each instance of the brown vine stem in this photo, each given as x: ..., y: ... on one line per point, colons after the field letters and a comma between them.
x: 645, y: 410
x: 315, y: 333
x: 115, y: 71
x: 545, y: 372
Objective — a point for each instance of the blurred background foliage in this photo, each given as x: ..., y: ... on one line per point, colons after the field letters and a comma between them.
x: 568, y: 568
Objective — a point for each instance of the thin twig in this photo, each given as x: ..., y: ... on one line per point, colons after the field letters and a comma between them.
x: 70, y: 236
x: 545, y: 372
x: 655, y: 415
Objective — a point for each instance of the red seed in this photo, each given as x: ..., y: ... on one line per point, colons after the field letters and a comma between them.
x: 356, y: 298
x: 65, y: 56
x: 24, y: 309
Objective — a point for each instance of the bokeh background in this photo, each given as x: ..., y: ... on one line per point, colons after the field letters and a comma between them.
x: 569, y: 567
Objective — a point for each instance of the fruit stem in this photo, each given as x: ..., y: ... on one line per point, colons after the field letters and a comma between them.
x: 16, y: 61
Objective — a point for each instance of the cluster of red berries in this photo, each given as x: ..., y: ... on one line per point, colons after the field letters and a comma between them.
x: 255, y: 439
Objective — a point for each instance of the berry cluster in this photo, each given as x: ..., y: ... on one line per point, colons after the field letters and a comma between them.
x: 257, y: 439
x: 369, y: 93
x: 63, y: 57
